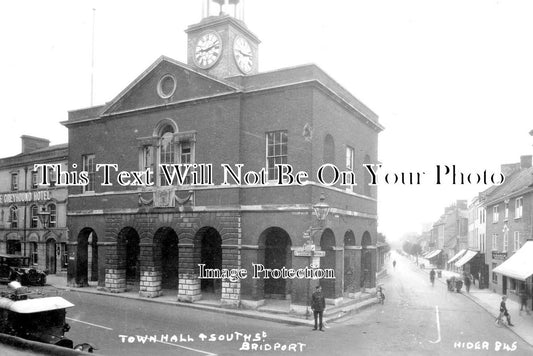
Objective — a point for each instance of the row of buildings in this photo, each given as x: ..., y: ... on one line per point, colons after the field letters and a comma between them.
x: 217, y: 109
x: 492, y: 236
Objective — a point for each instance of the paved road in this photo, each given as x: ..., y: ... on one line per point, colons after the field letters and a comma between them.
x: 417, y: 319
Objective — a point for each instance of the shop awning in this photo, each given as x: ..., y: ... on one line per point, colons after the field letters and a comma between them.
x: 519, y: 265
x: 433, y: 254
x: 456, y: 256
x: 467, y: 257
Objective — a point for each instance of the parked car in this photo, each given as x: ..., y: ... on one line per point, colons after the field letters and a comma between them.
x: 17, y: 268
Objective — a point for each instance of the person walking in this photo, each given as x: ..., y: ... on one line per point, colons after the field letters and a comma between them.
x: 468, y: 281
x: 504, y: 312
x: 394, y: 264
x: 432, y: 277
x: 524, y: 297
x: 318, y: 305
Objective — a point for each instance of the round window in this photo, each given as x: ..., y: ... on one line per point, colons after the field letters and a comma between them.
x: 166, y: 86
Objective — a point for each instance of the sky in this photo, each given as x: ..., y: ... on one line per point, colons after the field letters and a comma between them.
x: 451, y: 81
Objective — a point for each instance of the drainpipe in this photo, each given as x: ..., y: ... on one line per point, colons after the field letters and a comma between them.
x: 25, y: 206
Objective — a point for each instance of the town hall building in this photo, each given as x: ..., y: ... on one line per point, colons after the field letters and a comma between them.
x: 140, y: 232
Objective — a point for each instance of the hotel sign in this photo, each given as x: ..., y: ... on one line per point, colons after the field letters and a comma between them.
x: 25, y: 197
x: 499, y: 255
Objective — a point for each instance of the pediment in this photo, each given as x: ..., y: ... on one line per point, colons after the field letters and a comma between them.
x: 165, y: 82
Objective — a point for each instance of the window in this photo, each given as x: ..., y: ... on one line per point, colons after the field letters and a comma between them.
x: 14, y: 181
x: 53, y: 215
x: 349, y: 163
x: 482, y: 215
x: 147, y: 158
x: 88, y: 166
x: 14, y: 217
x: 494, y: 241
x: 494, y: 275
x: 34, y: 253
x: 505, y: 240
x: 276, y: 151
x: 349, y: 157
x: 516, y: 241
x: 34, y: 217
x: 52, y: 176
x: 167, y: 151
x: 518, y: 208
x: 506, y: 211
x: 34, y: 184
x: 174, y: 148
x: 495, y: 214
x: 64, y: 255
x: 512, y: 284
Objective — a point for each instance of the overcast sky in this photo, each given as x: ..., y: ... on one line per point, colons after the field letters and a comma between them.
x: 451, y: 81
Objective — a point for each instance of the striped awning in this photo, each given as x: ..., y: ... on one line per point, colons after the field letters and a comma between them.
x: 433, y: 254
x: 467, y: 257
x: 456, y: 256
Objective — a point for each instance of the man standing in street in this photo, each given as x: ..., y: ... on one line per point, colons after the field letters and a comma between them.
x: 318, y: 304
x: 524, y: 296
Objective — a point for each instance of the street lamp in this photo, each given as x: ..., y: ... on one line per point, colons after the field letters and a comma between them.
x: 321, y: 209
x: 44, y: 217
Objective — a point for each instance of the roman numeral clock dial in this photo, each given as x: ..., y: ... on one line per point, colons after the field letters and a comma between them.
x: 243, y: 54
x: 208, y: 49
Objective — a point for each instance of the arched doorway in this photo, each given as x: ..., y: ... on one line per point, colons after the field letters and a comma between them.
x: 51, y: 261
x: 210, y: 255
x: 129, y: 244
x: 366, y: 261
x: 277, y: 254
x: 327, y: 243
x: 92, y: 262
x: 87, y: 257
x: 168, y: 245
x: 349, y: 262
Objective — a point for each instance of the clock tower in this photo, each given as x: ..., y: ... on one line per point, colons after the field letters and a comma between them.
x: 221, y: 44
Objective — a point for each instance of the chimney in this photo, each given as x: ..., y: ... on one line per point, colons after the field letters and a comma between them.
x: 32, y: 143
x: 509, y: 168
x: 525, y: 161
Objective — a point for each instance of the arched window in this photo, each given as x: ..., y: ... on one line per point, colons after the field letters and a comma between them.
x: 53, y: 215
x: 14, y: 217
x: 34, y: 218
x: 367, y: 189
x: 167, y: 150
x: 34, y: 253
x: 167, y: 146
x: 329, y: 149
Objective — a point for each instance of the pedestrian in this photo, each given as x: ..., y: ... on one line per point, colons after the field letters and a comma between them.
x: 504, y: 312
x: 318, y: 305
x: 524, y: 296
x: 432, y: 277
x: 394, y: 264
x: 467, y: 283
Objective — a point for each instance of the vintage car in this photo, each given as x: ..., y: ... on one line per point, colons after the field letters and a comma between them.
x: 17, y: 268
x: 40, y: 319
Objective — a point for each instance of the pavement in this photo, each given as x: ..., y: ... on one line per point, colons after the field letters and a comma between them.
x: 275, y: 311
x: 490, y: 301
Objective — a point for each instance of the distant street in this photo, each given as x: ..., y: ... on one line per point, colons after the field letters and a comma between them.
x: 417, y: 319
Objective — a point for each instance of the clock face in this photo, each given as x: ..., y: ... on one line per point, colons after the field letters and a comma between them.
x: 243, y: 53
x: 208, y: 49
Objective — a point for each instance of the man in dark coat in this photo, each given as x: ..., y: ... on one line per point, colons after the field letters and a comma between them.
x: 504, y: 312
x: 318, y: 304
